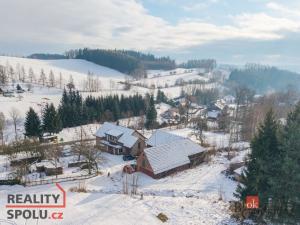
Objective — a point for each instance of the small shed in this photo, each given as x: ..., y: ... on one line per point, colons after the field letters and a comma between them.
x: 50, y: 168
x: 48, y: 139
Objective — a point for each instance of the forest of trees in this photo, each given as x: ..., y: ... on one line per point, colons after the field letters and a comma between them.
x: 129, y: 62
x: 75, y: 111
x: 207, y: 64
x: 46, y: 56
x: 273, y: 169
x: 264, y: 78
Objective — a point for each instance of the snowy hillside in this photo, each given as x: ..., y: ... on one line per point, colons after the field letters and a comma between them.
x: 76, y: 68
x: 162, y: 79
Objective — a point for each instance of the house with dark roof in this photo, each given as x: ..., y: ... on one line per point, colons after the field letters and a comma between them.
x: 119, y: 140
x: 168, y: 154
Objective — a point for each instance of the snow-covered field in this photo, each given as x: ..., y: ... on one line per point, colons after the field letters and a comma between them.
x: 77, y: 68
x: 162, y: 79
x: 188, y: 197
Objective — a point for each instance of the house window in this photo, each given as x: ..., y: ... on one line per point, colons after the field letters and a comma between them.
x: 120, y: 151
x: 144, y: 163
x: 139, y: 145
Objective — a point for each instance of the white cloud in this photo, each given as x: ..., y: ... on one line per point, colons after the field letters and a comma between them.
x: 124, y: 24
x: 283, y: 9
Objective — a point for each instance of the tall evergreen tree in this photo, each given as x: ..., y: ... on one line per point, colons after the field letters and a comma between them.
x: 264, y: 163
x: 151, y: 114
x: 32, y: 124
x: 286, y: 187
x: 51, y: 120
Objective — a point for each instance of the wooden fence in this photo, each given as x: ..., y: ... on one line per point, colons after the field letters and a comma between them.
x: 29, y: 183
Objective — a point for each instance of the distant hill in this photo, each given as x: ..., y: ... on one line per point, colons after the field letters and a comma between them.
x: 264, y: 78
x: 127, y: 61
x: 124, y: 61
x: 46, y: 56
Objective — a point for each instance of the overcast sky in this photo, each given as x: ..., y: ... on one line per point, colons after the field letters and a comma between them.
x: 232, y: 31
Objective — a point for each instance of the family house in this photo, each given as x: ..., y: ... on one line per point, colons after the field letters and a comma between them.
x: 119, y: 140
x: 172, y: 155
x: 171, y: 115
x: 213, y: 115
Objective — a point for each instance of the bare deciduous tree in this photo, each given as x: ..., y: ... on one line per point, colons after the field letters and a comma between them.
x: 16, y: 119
x: 2, y: 127
x: 92, y: 155
x: 43, y: 77
x: 31, y: 75
x: 51, y: 79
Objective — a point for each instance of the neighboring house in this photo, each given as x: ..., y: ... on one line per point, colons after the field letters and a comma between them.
x: 119, y: 140
x: 171, y: 115
x: 229, y: 99
x: 179, y: 101
x: 213, y: 115
x: 162, y: 160
x: 196, y: 112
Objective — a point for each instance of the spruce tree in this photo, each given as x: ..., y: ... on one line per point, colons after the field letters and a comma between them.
x: 264, y: 163
x: 287, y: 185
x: 32, y: 124
x: 151, y: 114
x: 51, y: 120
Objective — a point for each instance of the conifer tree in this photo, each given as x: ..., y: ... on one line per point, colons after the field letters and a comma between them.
x: 263, y: 164
x: 32, y: 124
x: 286, y: 188
x: 151, y: 114
x: 51, y: 120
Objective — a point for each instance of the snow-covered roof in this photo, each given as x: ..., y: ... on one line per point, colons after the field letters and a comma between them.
x: 163, y: 158
x: 213, y: 114
x: 114, y: 132
x: 171, y: 155
x: 189, y: 146
x: 127, y: 138
x: 160, y: 137
x: 48, y: 164
x: 229, y: 98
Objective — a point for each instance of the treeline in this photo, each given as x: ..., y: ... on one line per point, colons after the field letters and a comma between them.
x: 264, y: 78
x: 150, y: 62
x: 75, y: 111
x: 207, y: 64
x: 272, y: 172
x: 46, y: 56
x: 129, y: 62
x: 110, y: 58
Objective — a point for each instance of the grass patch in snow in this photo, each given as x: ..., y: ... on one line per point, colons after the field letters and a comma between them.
x: 162, y: 217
